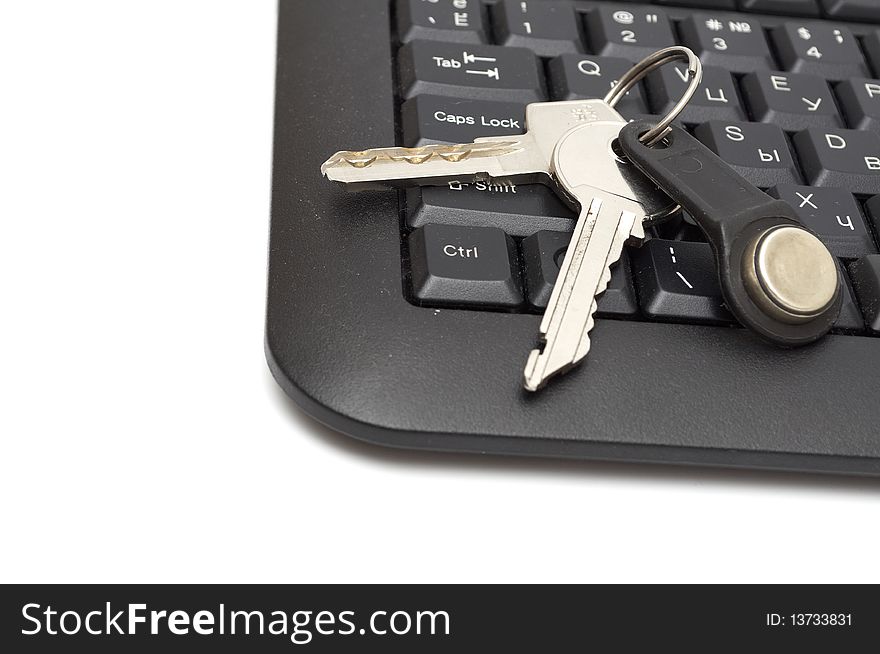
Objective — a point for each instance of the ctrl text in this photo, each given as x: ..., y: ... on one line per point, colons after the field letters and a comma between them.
x: 460, y: 252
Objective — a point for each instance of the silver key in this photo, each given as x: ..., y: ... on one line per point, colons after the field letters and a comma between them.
x: 568, y: 146
x: 514, y: 159
x: 615, y: 200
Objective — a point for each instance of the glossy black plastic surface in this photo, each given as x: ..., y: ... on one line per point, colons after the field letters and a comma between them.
x: 343, y: 341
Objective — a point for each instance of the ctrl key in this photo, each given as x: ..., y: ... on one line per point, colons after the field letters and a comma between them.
x: 464, y: 266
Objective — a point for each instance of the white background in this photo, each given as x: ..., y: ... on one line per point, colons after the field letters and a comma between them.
x: 143, y: 439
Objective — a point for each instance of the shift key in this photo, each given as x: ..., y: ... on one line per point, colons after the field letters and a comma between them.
x: 481, y: 72
x: 519, y: 210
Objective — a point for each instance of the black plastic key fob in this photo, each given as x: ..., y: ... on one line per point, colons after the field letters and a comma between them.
x: 776, y: 276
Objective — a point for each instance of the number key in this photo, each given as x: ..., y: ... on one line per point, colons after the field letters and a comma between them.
x: 548, y: 28
x: 737, y: 44
x: 630, y: 33
x: 458, y: 21
x: 867, y: 10
x: 703, y: 4
x: 823, y: 49
x: 783, y: 7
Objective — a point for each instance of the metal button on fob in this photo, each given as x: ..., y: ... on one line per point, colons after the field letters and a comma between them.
x: 790, y: 274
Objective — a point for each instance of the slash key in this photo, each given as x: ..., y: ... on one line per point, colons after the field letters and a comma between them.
x: 677, y: 282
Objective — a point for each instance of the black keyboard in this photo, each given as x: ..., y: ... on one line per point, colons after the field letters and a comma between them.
x: 791, y: 104
x: 790, y: 99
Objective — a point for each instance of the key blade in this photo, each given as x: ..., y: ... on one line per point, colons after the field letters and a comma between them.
x: 433, y: 164
x: 597, y: 244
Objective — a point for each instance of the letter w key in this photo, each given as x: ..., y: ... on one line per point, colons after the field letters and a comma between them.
x: 569, y: 146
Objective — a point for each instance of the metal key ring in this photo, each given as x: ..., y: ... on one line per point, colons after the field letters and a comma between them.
x: 650, y: 63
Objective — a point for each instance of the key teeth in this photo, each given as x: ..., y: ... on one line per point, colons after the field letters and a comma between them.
x: 529, y: 382
x: 583, y: 348
x: 420, y: 155
x: 533, y: 380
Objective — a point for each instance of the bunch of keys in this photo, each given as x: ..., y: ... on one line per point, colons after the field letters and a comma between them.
x: 777, y: 277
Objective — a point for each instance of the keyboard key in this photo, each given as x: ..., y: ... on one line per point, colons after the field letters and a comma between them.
x: 845, y: 158
x: 453, y: 21
x: 702, y: 4
x: 629, y: 33
x: 791, y: 100
x: 577, y: 77
x: 519, y: 210
x: 677, y: 281
x: 871, y: 44
x: 850, y: 319
x: 479, y: 72
x: 716, y: 99
x: 757, y: 151
x: 819, y: 48
x: 736, y: 44
x: 865, y: 275
x: 439, y: 119
x: 548, y: 28
x: 872, y: 208
x: 543, y: 254
x: 454, y: 266
x: 681, y: 227
x: 783, y: 7
x: 833, y: 214
x: 651, y: 118
x: 860, y: 102
x: 867, y: 10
